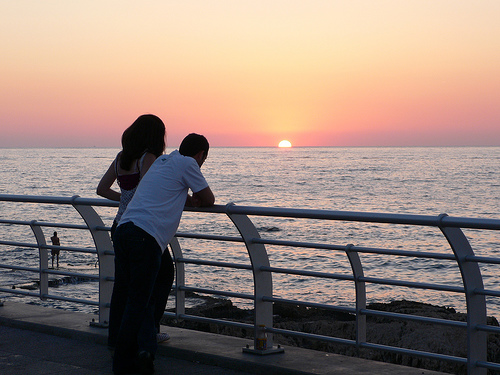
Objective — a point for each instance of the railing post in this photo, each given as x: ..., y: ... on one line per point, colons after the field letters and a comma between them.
x: 476, y: 303
x: 360, y: 286
x: 180, y: 278
x: 43, y: 258
x: 104, y: 249
x: 263, y: 282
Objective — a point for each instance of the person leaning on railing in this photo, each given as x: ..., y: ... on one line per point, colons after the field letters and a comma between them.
x: 142, y: 142
x: 142, y: 236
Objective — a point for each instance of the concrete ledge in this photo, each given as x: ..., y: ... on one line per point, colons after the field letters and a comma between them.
x: 202, y: 347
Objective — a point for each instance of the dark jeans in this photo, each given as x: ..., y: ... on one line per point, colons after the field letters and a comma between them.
x: 131, y: 322
x: 163, y: 284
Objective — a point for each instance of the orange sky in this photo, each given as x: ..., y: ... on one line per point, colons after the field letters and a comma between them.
x: 251, y: 73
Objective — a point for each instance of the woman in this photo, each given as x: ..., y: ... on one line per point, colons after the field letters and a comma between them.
x: 142, y: 143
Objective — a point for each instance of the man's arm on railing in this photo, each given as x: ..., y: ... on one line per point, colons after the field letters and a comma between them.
x: 202, y: 198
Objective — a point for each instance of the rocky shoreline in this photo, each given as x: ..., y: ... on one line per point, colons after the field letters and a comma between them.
x: 413, y: 335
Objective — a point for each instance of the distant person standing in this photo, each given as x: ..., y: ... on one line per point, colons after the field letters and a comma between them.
x: 142, y: 236
x: 55, y: 252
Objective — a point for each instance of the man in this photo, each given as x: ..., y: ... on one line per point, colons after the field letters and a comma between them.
x: 144, y: 231
x: 55, y: 252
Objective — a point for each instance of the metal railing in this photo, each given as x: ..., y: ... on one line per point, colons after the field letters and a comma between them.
x: 262, y: 297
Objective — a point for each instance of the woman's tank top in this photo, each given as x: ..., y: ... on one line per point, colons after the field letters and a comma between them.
x: 128, y: 185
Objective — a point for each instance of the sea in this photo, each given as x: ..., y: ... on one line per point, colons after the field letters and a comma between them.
x: 458, y: 181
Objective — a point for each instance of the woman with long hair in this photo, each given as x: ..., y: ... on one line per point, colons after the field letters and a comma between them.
x: 142, y: 143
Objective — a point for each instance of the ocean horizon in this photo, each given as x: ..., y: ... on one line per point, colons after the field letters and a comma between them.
x: 459, y: 181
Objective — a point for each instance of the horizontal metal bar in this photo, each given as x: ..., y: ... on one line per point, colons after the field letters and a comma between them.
x: 214, y: 237
x: 50, y: 271
x: 411, y: 284
x: 210, y: 320
x: 307, y: 273
x: 19, y: 244
x: 19, y: 268
x: 71, y: 249
x: 487, y: 292
x: 415, y: 318
x: 19, y: 291
x: 404, y: 253
x: 44, y: 224
x: 36, y: 246
x: 323, y: 246
x: 335, y: 340
x: 75, y: 300
x: 14, y: 222
x: 416, y: 353
x: 424, y: 220
x: 487, y: 328
x: 71, y: 274
x: 368, y: 250
x: 488, y: 365
x: 60, y: 225
x: 348, y: 310
x: 214, y: 263
x: 58, y: 200
x: 216, y: 292
x: 372, y: 280
x: 311, y: 245
x: 478, y: 259
x: 104, y: 229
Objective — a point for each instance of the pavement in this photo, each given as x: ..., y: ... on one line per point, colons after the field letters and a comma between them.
x: 41, y: 340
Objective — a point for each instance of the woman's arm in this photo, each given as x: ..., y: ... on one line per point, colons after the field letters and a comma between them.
x: 104, y: 187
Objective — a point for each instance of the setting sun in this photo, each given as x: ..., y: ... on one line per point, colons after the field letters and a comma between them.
x: 285, y: 143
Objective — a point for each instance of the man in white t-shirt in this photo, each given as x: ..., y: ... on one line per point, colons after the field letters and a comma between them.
x: 143, y: 233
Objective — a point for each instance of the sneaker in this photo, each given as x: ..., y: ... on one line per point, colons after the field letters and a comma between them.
x: 145, y: 363
x: 162, y: 337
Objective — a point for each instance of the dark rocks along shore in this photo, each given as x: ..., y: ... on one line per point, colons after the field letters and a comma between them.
x: 412, y: 335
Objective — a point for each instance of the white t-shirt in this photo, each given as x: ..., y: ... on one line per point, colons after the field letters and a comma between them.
x: 160, y: 198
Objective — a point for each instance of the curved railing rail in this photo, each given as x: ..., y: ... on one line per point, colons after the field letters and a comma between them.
x: 263, y: 298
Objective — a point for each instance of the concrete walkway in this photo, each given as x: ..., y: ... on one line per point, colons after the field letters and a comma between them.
x: 38, y: 340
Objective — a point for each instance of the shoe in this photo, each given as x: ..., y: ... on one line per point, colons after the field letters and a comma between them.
x: 145, y: 363
x: 162, y: 337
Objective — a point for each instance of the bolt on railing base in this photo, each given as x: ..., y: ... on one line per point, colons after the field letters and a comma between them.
x: 95, y: 324
x: 252, y: 350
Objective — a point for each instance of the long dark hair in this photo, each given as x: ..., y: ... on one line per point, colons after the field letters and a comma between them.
x: 146, y: 134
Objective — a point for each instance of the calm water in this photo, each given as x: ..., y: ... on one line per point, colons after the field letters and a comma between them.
x: 457, y: 181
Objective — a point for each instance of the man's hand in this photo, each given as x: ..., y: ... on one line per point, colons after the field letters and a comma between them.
x: 203, y: 198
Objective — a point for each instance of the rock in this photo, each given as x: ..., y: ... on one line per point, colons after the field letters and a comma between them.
x: 404, y: 334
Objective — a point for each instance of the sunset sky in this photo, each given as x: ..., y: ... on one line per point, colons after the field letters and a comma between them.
x: 251, y: 73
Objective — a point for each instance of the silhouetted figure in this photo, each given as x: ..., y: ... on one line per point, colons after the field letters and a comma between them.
x: 55, y: 252
x: 140, y: 240
x: 142, y: 143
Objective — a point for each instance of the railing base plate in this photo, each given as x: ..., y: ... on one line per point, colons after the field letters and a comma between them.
x: 252, y: 350
x: 98, y: 325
